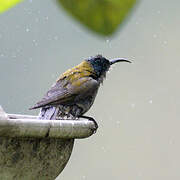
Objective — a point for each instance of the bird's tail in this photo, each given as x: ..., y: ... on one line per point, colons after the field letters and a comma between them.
x: 50, y: 112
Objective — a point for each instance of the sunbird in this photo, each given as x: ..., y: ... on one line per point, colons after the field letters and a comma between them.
x: 75, y: 90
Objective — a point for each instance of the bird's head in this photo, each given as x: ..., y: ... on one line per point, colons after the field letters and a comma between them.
x: 101, y: 65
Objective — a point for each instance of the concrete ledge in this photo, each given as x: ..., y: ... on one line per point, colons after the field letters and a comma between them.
x: 14, y: 125
x: 34, y: 149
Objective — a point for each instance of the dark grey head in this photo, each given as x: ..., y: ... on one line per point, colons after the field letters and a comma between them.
x: 101, y: 65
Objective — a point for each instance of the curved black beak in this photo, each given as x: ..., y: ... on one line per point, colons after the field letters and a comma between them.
x: 113, y: 61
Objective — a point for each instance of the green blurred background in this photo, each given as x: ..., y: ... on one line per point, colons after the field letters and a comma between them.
x: 138, y: 105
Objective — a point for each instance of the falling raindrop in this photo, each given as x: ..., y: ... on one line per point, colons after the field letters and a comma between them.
x: 165, y: 42
x: 154, y: 35
x: 133, y: 105
x: 35, y: 42
x: 27, y: 30
x: 56, y: 38
x: 13, y: 56
x: 103, y: 149
x: 150, y: 101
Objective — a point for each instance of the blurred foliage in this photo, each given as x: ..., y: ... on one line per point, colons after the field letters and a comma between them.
x: 6, y: 4
x: 100, y: 16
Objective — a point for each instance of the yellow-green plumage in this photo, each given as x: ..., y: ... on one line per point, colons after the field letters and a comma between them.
x: 71, y: 89
x: 81, y: 70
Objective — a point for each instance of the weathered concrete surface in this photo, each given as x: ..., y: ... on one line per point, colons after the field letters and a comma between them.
x: 33, y: 149
x: 64, y: 129
x: 33, y: 159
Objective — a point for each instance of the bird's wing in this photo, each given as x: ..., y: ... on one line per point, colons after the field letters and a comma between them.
x: 66, y: 92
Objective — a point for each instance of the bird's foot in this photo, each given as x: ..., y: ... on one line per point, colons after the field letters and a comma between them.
x: 91, y: 119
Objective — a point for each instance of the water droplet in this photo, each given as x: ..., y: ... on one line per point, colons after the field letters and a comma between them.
x: 165, y: 42
x: 150, y: 101
x: 133, y: 105
x: 30, y: 59
x: 103, y: 149
x: 154, y: 35
x: 56, y: 38
x: 13, y: 56
x: 35, y: 42
x: 27, y: 30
